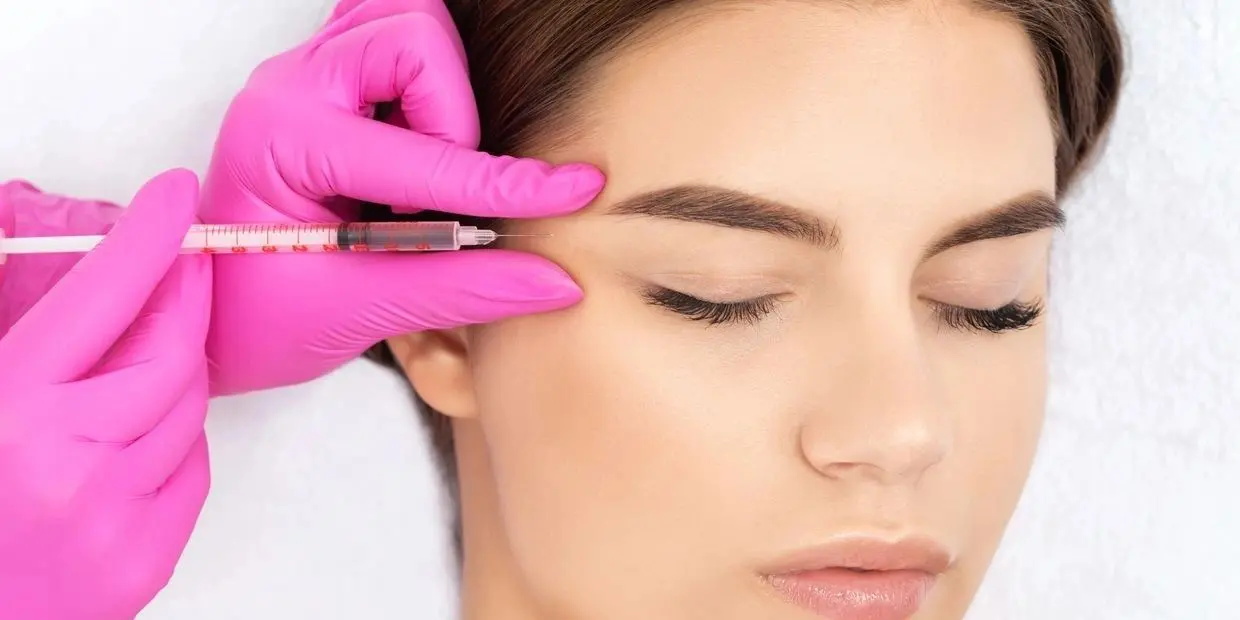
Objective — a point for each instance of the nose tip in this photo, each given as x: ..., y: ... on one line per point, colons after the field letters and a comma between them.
x: 887, y: 456
x: 885, y: 445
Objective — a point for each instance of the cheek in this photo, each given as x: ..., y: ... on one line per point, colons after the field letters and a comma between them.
x: 997, y: 387
x: 997, y: 392
x: 614, y: 436
x: 586, y: 394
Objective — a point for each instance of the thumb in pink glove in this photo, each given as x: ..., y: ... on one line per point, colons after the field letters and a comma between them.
x: 297, y: 145
x: 103, y: 394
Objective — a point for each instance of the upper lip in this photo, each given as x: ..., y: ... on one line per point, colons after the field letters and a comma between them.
x: 868, y: 553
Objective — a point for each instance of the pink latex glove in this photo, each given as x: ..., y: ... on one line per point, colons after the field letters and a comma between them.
x: 103, y: 394
x: 27, y: 212
x: 298, y: 145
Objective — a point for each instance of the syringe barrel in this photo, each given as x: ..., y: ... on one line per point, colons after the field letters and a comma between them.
x: 399, y: 236
x: 281, y: 238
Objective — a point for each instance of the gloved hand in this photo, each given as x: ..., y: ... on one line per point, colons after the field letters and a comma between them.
x: 298, y: 145
x: 27, y: 212
x: 103, y: 394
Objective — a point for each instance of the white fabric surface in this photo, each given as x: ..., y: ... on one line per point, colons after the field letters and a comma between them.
x: 325, y: 506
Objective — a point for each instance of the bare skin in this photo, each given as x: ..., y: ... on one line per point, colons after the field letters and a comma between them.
x: 630, y: 458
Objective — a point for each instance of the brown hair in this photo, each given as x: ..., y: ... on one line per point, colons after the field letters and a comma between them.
x: 530, y: 60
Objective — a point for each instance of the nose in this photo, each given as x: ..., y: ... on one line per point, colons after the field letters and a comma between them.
x: 883, y: 420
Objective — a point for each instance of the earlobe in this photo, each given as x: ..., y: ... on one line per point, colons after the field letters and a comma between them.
x: 437, y: 364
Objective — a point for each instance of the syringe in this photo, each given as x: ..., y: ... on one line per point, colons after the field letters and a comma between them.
x: 286, y: 238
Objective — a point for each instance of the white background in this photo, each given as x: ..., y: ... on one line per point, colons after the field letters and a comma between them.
x: 325, y: 506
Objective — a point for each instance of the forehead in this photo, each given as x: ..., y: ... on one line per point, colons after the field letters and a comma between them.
x: 813, y: 103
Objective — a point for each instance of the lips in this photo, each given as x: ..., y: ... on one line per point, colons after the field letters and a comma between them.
x: 861, y: 578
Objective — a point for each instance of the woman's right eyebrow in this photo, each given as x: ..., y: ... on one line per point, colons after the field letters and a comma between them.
x: 721, y: 206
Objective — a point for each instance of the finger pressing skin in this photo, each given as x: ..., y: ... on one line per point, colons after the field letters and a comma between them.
x: 447, y: 290
x: 375, y: 162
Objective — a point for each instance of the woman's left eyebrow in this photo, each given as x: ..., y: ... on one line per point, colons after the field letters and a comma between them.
x: 1030, y: 212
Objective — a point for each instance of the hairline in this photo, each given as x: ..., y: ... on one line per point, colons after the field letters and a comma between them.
x: 554, y: 132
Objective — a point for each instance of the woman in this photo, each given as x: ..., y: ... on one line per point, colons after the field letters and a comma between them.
x: 807, y: 376
x: 807, y: 373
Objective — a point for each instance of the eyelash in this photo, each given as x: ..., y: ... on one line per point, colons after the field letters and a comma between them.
x: 1012, y: 317
x: 748, y: 311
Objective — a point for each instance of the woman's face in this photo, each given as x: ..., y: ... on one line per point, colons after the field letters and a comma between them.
x: 811, y: 290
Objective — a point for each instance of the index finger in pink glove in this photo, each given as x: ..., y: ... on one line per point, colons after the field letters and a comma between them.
x: 409, y: 56
x: 419, y: 172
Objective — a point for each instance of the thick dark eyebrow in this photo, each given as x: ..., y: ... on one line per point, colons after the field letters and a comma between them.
x: 1024, y: 214
x: 719, y: 206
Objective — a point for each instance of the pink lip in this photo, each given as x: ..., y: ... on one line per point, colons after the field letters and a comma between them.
x: 861, y: 579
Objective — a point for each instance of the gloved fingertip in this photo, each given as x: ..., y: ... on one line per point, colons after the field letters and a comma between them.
x: 553, y: 284
x: 172, y: 192
x: 534, y: 189
x: 529, y: 284
x: 577, y: 184
x: 177, y: 182
x: 489, y: 285
x: 532, y: 297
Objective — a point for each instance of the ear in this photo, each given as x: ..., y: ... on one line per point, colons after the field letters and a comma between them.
x: 437, y: 364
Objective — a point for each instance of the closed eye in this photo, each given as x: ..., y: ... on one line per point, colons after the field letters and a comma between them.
x: 713, y: 313
x: 1014, y: 316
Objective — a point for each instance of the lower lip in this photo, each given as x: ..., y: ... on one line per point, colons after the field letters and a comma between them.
x: 843, y: 594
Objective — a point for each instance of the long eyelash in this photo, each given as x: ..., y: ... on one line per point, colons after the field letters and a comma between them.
x: 749, y: 311
x: 1012, y: 317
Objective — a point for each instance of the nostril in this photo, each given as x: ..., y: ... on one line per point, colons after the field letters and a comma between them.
x: 846, y: 471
